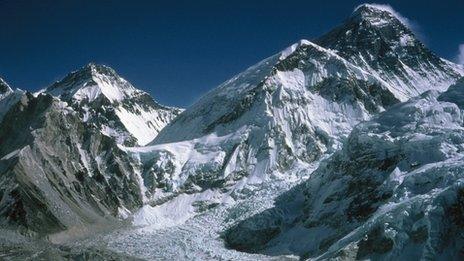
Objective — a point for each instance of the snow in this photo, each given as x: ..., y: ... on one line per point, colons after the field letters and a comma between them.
x: 92, y: 85
x: 282, y: 111
x: 188, y: 157
x: 285, y: 101
x: 289, y: 50
x: 124, y: 213
x: 177, y: 210
x: 5, y: 89
x: 324, y: 64
x: 119, y: 136
x: 85, y: 160
x: 406, y: 40
x: 454, y: 94
x: 143, y: 126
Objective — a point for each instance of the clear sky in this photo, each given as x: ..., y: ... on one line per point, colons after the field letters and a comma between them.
x: 178, y: 50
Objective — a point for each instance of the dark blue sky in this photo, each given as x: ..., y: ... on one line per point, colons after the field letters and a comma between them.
x: 177, y: 50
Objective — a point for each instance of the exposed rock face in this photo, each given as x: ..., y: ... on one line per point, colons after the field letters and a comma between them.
x: 393, y: 192
x: 104, y: 99
x: 58, y: 172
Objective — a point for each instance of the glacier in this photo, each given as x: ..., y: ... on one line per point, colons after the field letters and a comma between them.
x: 393, y: 192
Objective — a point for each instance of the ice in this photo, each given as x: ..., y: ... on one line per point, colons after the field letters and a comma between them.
x: 397, y: 174
x: 177, y: 210
x: 197, y: 237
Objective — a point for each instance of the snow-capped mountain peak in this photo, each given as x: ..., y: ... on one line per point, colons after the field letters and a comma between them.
x: 91, y: 81
x: 106, y: 99
x: 379, y: 40
x: 385, y: 22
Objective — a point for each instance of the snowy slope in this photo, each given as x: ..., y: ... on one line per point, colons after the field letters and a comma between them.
x: 109, y: 101
x: 302, y: 70
x: 8, y: 100
x: 393, y: 192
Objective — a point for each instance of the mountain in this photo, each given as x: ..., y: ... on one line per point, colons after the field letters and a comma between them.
x: 274, y: 115
x: 377, y: 39
x: 293, y: 107
x: 108, y: 101
x: 61, y: 166
x: 362, y: 103
x: 58, y: 172
x: 393, y: 192
x: 60, y: 162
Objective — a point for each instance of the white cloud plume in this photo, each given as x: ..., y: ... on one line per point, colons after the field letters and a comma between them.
x: 460, y: 57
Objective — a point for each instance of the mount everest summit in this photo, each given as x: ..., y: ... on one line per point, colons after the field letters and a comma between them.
x: 366, y: 105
